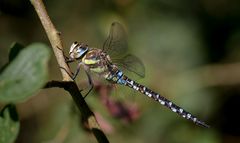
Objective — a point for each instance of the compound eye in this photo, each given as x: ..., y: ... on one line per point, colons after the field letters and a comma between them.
x: 73, y: 46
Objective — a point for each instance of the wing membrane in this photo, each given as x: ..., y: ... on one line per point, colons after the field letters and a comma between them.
x: 116, y: 46
x: 132, y: 64
x: 116, y: 43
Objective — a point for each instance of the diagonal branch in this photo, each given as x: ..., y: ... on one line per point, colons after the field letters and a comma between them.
x: 67, y: 83
x: 53, y: 36
x: 87, y: 114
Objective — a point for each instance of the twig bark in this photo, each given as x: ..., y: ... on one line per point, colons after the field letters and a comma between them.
x: 53, y: 36
x: 87, y: 114
x: 67, y: 83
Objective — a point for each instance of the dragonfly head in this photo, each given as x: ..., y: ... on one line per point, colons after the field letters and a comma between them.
x: 78, y: 50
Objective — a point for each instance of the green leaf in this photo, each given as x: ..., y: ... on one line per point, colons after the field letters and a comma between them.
x: 9, y: 124
x: 27, y: 73
x: 14, y: 51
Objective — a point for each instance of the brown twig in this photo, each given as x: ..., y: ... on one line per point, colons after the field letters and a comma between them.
x: 67, y: 83
x: 53, y: 36
x: 87, y: 114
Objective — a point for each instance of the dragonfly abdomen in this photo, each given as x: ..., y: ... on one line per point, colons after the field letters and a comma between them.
x: 157, y: 97
x: 115, y: 76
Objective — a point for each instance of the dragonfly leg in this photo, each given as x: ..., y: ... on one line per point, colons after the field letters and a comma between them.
x: 90, y: 83
x: 73, y: 75
x: 66, y: 71
x: 67, y: 59
x: 77, y: 71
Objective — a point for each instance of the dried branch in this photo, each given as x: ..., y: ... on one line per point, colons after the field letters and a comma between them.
x: 87, y: 114
x: 67, y: 83
x: 53, y: 36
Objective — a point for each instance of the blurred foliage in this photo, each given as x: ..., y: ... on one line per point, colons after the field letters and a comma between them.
x: 9, y: 124
x: 177, y: 40
x: 26, y: 74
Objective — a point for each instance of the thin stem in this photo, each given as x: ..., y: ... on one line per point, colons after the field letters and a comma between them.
x: 67, y: 83
x: 53, y: 36
x: 87, y: 114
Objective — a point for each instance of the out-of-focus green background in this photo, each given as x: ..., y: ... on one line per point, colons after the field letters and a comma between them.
x: 191, y: 52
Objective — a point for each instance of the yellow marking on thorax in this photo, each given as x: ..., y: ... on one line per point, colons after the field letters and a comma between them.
x: 89, y: 61
x: 94, y: 64
x: 98, y: 69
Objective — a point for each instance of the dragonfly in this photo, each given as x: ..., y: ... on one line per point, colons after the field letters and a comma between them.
x: 99, y: 61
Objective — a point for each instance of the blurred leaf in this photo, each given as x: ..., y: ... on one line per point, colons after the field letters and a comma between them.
x: 26, y: 74
x: 9, y: 124
x: 14, y: 51
x: 3, y: 67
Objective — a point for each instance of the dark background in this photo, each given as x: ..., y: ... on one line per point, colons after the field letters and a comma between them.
x: 191, y: 52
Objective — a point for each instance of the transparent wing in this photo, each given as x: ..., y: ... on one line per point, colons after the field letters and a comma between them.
x: 131, y: 63
x: 116, y: 46
x: 116, y: 43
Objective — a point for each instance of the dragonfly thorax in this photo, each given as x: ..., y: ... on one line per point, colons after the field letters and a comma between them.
x: 97, y: 61
x: 77, y: 50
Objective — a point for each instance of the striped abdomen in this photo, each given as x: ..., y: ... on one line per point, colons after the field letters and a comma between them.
x: 119, y: 78
x: 99, y: 62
